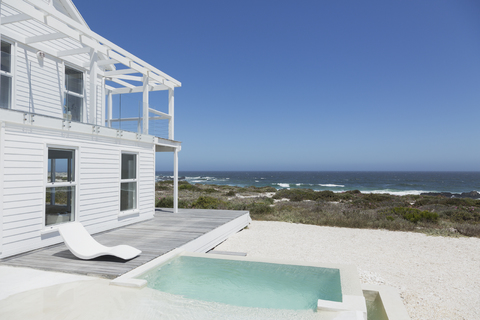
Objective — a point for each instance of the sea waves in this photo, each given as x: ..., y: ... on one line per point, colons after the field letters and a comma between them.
x: 306, y: 185
x: 395, y: 183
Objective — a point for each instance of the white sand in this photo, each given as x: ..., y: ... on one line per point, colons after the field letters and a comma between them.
x: 438, y: 277
x: 14, y: 280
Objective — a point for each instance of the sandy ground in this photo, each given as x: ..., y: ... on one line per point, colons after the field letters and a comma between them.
x: 438, y: 277
x: 15, y: 280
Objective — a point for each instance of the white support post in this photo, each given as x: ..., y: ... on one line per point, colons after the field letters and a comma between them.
x: 145, y: 105
x: 109, y: 107
x: 170, y: 112
x: 93, y: 88
x: 2, y: 150
x: 102, y: 104
x: 175, y: 181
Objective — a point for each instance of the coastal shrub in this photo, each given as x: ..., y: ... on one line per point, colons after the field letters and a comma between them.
x: 209, y: 190
x: 462, y: 214
x: 415, y: 215
x: 167, y: 202
x: 230, y: 193
x: 188, y: 186
x: 375, y: 197
x: 257, y: 189
x: 363, y: 204
x: 441, y: 200
x: 296, y: 194
x: 269, y: 200
x: 353, y: 192
x: 163, y: 185
x: 467, y: 202
x: 206, y: 202
x: 468, y: 229
x: 345, y: 196
x: 260, y: 208
x: 268, y: 189
x: 327, y: 196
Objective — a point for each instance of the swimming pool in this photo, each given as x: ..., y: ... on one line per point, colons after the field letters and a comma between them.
x: 352, y: 301
x: 247, y: 283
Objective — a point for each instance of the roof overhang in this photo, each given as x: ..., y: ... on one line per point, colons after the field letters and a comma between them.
x: 42, y: 27
x: 164, y: 145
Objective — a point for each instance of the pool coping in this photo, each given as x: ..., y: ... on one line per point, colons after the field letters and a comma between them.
x: 390, y: 298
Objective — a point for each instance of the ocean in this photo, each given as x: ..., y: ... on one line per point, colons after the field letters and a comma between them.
x: 396, y: 183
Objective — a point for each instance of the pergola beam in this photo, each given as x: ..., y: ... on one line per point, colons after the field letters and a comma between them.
x: 131, y: 78
x: 159, y: 113
x: 73, y: 52
x: 45, y: 37
x: 159, y: 87
x: 62, y: 27
x: 109, y: 74
x: 26, y: 9
x: 46, y: 14
x: 123, y: 83
x: 106, y: 62
x: 15, y: 18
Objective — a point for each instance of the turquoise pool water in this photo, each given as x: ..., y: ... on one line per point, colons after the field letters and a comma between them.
x: 246, y: 283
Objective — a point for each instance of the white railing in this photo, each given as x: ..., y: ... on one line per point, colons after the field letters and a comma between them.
x: 159, y: 123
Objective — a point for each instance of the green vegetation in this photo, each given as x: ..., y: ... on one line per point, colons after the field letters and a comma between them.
x: 415, y: 215
x: 205, y: 202
x: 432, y: 215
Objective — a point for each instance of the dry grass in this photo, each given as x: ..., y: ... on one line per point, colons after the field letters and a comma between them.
x: 352, y: 209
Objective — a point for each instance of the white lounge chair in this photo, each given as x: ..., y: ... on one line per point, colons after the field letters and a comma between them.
x: 81, y: 244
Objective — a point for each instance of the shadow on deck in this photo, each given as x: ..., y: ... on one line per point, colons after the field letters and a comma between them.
x: 196, y: 229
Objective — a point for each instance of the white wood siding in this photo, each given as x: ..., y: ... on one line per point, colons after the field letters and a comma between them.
x: 146, y: 180
x: 39, y: 83
x: 98, y: 184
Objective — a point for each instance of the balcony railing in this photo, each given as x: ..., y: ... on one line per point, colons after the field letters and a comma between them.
x: 159, y: 123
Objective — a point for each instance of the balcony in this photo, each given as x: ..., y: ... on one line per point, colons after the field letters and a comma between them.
x: 159, y: 124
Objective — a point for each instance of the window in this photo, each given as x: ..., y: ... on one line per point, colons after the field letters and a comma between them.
x: 128, y: 185
x: 60, y: 189
x: 6, y: 76
x: 73, y: 107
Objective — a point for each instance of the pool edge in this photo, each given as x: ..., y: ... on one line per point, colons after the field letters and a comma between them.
x: 390, y: 298
x: 201, y: 244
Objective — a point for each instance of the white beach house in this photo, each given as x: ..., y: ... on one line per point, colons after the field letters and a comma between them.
x: 63, y: 156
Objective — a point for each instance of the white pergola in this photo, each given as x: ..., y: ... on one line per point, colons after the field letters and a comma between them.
x: 40, y: 25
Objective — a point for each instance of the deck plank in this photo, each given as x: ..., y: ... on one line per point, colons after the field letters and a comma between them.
x: 155, y: 237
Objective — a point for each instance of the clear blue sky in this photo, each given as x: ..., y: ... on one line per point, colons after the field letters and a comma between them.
x: 311, y: 85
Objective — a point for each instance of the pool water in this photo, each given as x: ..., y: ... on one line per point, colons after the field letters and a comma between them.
x: 247, y: 283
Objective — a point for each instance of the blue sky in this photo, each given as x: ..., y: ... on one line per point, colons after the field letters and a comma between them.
x: 311, y: 85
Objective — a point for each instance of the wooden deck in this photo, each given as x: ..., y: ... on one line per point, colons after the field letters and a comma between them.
x: 155, y: 237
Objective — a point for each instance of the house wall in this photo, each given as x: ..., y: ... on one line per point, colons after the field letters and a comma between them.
x: 40, y: 83
x: 25, y: 150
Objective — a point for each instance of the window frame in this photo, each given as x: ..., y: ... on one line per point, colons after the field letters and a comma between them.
x: 73, y: 93
x: 135, y: 180
x: 75, y: 183
x: 10, y: 74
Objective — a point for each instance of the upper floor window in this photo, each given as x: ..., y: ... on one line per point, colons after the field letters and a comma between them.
x: 73, y: 109
x: 6, y: 76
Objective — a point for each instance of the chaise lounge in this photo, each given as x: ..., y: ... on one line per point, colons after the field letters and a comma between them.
x: 82, y: 245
